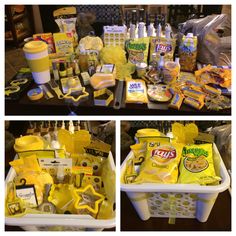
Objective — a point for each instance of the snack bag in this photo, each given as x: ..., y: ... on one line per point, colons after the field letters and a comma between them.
x: 188, y: 53
x: 197, y: 165
x: 136, y: 91
x: 138, y: 50
x: 63, y: 42
x: 161, y: 164
x: 66, y: 18
x: 139, y: 150
x: 48, y: 39
x: 161, y: 44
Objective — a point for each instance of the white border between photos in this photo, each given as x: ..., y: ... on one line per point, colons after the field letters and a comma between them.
x: 117, y: 118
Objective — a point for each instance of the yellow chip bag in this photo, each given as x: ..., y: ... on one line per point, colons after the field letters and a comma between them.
x: 161, y: 44
x: 138, y: 50
x: 161, y: 164
x: 136, y: 91
x: 197, y: 165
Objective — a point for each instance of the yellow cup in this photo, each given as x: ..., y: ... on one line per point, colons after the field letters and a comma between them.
x: 36, y: 54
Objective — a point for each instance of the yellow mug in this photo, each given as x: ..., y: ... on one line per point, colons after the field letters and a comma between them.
x: 36, y: 54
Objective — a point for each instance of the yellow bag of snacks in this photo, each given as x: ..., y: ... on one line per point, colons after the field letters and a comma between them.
x: 136, y: 91
x: 161, y: 44
x: 139, y: 150
x: 161, y: 164
x: 63, y: 42
x: 138, y: 50
x: 197, y: 165
x: 188, y: 52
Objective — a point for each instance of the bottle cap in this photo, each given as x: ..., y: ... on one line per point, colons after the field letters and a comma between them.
x: 189, y: 35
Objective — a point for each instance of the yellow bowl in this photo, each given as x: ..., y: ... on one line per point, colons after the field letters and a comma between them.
x: 29, y: 142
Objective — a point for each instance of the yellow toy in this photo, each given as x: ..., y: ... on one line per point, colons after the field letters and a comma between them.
x: 63, y: 197
x: 88, y: 200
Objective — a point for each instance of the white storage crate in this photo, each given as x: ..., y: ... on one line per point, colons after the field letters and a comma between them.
x: 60, y: 222
x: 175, y: 200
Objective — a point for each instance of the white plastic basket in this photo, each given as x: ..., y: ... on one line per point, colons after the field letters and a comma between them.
x: 175, y: 200
x: 59, y: 222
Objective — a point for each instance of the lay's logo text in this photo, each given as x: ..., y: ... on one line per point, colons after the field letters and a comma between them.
x: 164, y: 153
x: 163, y: 47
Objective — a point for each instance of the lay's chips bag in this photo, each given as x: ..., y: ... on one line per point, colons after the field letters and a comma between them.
x: 197, y: 165
x: 161, y: 164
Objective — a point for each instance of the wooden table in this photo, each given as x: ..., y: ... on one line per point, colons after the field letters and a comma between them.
x: 55, y: 106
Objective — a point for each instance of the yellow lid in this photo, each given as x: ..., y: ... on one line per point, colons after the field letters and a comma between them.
x: 35, y: 47
x: 148, y: 132
x: 29, y: 142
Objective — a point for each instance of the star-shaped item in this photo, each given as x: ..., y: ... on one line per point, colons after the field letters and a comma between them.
x: 88, y: 198
x: 83, y: 95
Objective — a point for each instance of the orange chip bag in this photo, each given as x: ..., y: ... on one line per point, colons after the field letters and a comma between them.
x: 161, y: 164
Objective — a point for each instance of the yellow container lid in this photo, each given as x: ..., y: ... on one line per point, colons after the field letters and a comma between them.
x: 29, y: 142
x: 148, y: 132
x: 35, y: 47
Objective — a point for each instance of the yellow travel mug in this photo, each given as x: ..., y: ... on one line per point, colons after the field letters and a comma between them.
x: 36, y: 54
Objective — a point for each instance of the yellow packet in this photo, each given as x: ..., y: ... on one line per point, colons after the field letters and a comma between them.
x: 93, y: 161
x: 188, y: 52
x: 136, y: 91
x: 197, y: 166
x: 155, y: 140
x: 138, y: 50
x: 130, y: 172
x: 139, y: 151
x: 63, y: 42
x: 161, y: 164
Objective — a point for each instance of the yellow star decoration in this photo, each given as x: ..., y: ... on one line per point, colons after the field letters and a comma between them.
x: 88, y: 198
